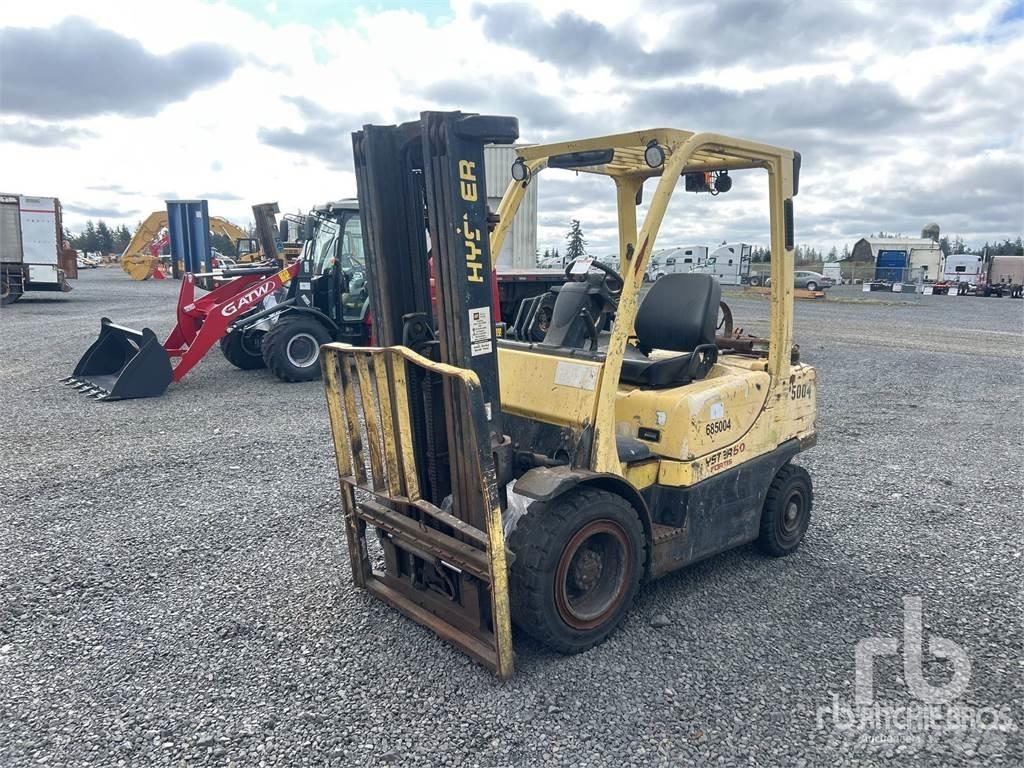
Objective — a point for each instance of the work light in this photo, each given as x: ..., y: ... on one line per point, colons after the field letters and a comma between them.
x: 654, y: 155
x: 520, y: 172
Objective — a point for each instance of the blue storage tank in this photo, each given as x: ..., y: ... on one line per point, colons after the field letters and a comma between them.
x: 188, y: 222
x: 891, y: 266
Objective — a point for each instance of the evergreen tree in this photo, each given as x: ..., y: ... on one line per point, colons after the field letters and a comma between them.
x: 224, y: 244
x: 577, y: 245
x: 89, y: 240
x: 123, y: 238
x: 104, y: 238
x: 846, y: 251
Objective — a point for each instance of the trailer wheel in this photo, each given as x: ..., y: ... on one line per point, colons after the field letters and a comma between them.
x: 786, y: 512
x: 244, y: 350
x: 578, y: 564
x: 291, y: 349
x: 10, y: 291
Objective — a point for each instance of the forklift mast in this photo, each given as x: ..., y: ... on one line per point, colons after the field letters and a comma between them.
x: 430, y: 173
x: 429, y: 404
x: 456, y: 197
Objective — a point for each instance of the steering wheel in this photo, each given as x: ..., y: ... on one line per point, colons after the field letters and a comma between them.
x: 613, y: 280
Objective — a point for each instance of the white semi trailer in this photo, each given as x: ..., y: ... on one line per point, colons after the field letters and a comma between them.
x: 729, y: 262
x: 32, y: 247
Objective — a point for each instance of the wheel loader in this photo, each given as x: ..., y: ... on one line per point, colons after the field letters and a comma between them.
x: 540, y: 482
x: 275, y: 314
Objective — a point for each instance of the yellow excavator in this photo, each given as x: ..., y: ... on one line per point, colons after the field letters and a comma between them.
x: 140, y: 262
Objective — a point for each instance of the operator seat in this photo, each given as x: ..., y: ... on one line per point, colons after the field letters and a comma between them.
x: 679, y: 314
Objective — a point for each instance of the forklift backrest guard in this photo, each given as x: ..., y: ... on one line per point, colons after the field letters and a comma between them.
x: 679, y: 313
x: 686, y: 152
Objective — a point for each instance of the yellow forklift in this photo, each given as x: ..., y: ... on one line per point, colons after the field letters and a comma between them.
x: 539, y: 483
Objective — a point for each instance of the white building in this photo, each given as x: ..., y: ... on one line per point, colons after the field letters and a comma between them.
x: 520, y: 248
x: 919, y: 257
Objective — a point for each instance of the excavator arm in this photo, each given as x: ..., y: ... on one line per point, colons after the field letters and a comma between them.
x: 139, y: 261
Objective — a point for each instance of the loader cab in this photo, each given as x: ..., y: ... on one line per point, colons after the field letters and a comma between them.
x: 338, y: 266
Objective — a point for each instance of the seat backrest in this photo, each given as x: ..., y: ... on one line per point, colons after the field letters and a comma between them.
x: 679, y: 313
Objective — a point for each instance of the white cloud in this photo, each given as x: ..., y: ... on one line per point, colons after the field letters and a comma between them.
x: 891, y: 112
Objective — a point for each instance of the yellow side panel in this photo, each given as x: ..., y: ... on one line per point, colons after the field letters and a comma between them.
x: 687, y: 422
x: 795, y: 404
x: 555, y: 390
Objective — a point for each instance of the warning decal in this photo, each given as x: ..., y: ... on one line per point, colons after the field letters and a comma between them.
x: 480, y: 331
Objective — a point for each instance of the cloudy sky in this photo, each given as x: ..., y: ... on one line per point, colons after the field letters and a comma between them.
x: 905, y: 112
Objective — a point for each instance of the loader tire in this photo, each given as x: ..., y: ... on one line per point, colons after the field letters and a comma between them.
x: 244, y: 350
x: 786, y: 512
x: 291, y: 349
x: 579, y: 560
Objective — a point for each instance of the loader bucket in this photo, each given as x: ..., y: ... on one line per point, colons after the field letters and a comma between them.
x: 122, y: 363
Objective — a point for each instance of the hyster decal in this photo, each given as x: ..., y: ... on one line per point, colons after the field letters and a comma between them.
x: 724, y: 458
x: 471, y: 235
x: 251, y: 297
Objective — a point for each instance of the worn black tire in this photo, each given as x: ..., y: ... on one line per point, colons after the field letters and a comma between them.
x: 9, y: 292
x: 782, y: 527
x: 540, y: 540
x: 280, y: 341
x: 244, y: 351
x: 754, y: 280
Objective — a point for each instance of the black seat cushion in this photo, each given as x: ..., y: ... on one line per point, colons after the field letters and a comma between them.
x: 679, y: 314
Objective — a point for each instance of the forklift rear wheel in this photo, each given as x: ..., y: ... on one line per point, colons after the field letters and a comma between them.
x: 787, y: 511
x: 244, y: 350
x: 291, y: 348
x: 579, y: 561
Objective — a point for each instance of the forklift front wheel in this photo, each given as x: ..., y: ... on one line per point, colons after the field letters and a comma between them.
x: 291, y: 348
x: 579, y: 561
x: 787, y: 511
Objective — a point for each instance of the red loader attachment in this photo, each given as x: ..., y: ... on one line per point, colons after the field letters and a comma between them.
x: 125, y: 363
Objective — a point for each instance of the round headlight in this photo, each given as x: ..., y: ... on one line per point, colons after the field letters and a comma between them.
x: 654, y: 155
x: 723, y: 182
x: 519, y: 170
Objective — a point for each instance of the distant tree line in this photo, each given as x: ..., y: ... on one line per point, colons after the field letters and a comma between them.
x: 99, y: 237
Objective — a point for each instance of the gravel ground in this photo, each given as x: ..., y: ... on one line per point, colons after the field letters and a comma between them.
x: 174, y: 585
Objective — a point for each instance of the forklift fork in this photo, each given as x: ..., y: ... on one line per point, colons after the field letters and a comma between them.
x: 442, y: 572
